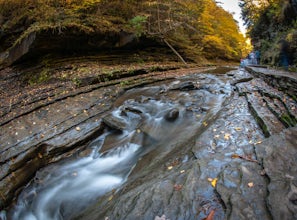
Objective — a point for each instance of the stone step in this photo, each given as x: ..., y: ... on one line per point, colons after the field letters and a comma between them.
x: 268, y: 122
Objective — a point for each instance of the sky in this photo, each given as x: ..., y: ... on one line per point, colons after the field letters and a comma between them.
x: 232, y: 6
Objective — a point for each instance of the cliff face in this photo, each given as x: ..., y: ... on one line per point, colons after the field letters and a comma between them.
x: 41, y: 43
x: 34, y: 29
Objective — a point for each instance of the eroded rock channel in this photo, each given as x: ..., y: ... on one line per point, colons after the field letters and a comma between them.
x: 206, y: 144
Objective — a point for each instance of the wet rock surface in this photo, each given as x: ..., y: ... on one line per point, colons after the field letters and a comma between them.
x: 211, y: 144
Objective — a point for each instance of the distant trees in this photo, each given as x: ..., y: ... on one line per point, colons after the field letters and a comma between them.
x: 199, y: 28
x: 269, y: 22
x: 221, y: 36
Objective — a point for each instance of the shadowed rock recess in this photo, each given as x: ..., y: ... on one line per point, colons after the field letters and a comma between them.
x: 208, y: 143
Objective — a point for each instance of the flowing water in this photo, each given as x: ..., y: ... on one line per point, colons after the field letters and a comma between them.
x: 148, y: 118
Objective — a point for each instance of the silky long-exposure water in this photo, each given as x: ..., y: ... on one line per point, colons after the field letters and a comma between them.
x: 146, y: 119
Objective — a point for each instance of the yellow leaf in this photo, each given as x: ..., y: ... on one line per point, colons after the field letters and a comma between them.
x: 170, y: 167
x: 205, y: 123
x: 233, y: 156
x: 213, y: 182
x: 227, y: 136
x: 110, y: 198
x: 238, y: 129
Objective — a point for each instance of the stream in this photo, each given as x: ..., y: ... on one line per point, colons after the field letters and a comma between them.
x: 192, y: 147
x: 142, y: 120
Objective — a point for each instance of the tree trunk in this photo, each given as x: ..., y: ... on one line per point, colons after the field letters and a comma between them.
x: 177, y: 54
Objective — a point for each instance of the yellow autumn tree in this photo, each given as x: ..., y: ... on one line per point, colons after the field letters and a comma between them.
x: 221, y: 37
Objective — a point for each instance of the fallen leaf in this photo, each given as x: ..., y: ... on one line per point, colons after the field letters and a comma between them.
x: 213, y: 182
x: 238, y: 129
x: 210, y: 215
x: 182, y: 171
x: 177, y: 187
x: 247, y: 158
x: 205, y: 123
x: 251, y: 184
x: 263, y: 172
x: 258, y: 142
x: 40, y: 155
x: 170, y: 167
x: 234, y: 156
x: 227, y: 136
